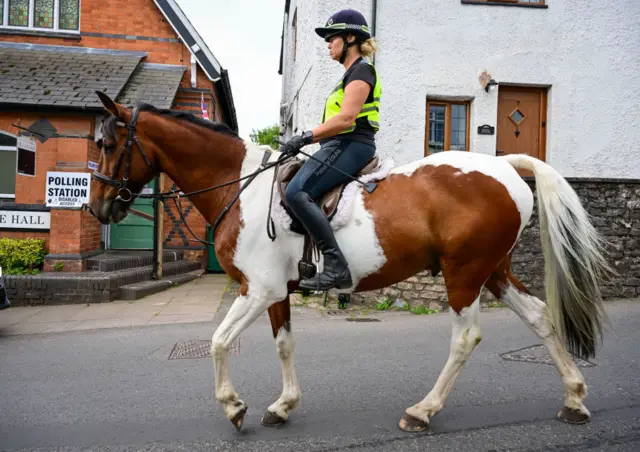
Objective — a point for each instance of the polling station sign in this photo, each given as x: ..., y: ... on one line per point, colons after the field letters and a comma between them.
x: 67, y: 189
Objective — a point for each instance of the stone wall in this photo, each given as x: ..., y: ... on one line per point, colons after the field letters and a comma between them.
x: 614, y: 207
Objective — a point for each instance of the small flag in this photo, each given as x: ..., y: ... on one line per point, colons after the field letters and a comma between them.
x: 205, y: 115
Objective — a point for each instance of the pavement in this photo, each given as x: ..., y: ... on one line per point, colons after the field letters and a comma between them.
x: 196, y: 301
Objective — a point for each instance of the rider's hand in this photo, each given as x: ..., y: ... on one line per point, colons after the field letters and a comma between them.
x: 293, y: 146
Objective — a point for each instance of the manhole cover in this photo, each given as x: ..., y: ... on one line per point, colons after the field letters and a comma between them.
x: 199, y: 349
x: 538, y: 354
x: 362, y: 319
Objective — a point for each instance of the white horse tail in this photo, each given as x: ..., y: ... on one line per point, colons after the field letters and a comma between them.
x: 575, y: 265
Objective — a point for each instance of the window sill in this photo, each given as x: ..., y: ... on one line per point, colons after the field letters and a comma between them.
x: 44, y: 34
x: 499, y: 3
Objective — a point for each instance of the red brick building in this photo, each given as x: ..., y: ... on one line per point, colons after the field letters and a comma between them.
x: 54, y: 55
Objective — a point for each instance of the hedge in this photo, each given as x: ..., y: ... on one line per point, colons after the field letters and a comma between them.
x: 22, y: 256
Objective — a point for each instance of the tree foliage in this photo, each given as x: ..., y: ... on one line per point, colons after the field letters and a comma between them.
x: 268, y: 135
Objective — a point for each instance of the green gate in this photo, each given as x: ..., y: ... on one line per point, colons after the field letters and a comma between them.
x: 213, y: 266
x: 135, y: 231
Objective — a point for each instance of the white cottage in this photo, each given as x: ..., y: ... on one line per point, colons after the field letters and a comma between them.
x: 555, y: 79
x: 567, y: 76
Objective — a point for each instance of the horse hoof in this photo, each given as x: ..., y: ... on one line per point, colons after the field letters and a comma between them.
x: 412, y: 424
x: 272, y: 420
x: 572, y: 416
x: 238, y: 419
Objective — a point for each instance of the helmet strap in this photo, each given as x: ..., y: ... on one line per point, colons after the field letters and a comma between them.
x: 345, y: 47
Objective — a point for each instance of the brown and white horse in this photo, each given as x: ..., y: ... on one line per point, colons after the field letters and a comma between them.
x: 456, y: 212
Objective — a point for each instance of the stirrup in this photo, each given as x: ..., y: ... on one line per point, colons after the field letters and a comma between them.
x: 327, y: 284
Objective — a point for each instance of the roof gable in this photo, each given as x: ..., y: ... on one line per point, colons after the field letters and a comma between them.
x: 190, y: 37
x: 198, y: 48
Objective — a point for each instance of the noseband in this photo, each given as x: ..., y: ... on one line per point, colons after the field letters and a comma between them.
x: 124, y: 193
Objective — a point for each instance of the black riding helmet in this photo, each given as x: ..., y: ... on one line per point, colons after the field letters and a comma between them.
x: 347, y: 21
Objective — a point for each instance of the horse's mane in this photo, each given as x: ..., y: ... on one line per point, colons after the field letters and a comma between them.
x: 215, y: 126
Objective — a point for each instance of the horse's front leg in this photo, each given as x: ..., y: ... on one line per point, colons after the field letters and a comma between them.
x: 244, y: 311
x: 278, y: 412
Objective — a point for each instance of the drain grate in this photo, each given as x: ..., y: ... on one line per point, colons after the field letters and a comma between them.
x: 336, y: 312
x: 538, y: 354
x: 199, y: 349
x: 362, y: 319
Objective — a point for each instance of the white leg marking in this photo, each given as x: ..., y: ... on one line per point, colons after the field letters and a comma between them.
x: 244, y: 311
x: 535, y: 314
x: 464, y: 338
x: 285, y: 344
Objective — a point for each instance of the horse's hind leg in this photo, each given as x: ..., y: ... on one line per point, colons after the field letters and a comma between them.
x: 278, y: 412
x: 533, y: 312
x: 465, y: 305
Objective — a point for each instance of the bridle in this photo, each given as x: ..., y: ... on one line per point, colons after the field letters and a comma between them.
x: 126, y: 153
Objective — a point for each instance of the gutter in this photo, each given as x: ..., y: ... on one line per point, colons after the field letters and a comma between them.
x: 285, y: 20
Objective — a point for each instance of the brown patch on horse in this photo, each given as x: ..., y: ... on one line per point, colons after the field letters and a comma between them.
x: 444, y: 229
x: 501, y: 278
x: 280, y: 316
x: 193, y: 170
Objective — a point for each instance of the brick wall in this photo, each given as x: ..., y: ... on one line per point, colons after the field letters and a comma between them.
x: 175, y: 233
x: 71, y: 232
x: 136, y: 19
x: 121, y: 17
x: 26, y: 235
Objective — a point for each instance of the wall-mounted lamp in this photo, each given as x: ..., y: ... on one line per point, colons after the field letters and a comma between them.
x: 490, y: 83
x: 486, y: 81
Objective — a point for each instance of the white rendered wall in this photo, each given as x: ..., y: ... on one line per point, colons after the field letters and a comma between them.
x: 588, y: 53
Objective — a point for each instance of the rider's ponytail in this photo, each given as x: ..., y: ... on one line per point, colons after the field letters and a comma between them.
x: 368, y: 48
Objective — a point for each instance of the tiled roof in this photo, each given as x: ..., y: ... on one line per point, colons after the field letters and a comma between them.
x: 155, y: 84
x: 62, y: 76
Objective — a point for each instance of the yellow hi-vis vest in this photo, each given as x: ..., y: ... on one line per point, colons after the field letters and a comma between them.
x: 371, y: 111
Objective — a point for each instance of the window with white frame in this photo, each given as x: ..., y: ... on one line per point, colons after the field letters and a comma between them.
x: 26, y: 156
x: 17, y: 156
x: 43, y: 15
x: 8, y: 164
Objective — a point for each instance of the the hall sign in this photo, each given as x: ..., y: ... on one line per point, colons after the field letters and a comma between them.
x: 25, y: 219
x: 67, y: 189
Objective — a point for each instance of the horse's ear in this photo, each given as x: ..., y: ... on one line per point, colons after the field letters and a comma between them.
x: 111, y: 106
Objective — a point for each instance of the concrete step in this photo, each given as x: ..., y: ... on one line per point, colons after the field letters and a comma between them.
x: 111, y: 261
x: 144, y: 288
x: 138, y: 274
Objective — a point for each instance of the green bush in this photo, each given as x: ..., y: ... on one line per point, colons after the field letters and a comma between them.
x: 22, y: 256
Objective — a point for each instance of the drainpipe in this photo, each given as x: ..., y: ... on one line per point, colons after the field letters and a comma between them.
x: 194, y: 69
x: 374, y: 14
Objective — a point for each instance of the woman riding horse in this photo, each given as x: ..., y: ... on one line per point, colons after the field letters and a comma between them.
x: 346, y: 136
x: 468, y: 212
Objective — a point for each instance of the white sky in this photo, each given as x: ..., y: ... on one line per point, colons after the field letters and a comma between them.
x: 244, y: 36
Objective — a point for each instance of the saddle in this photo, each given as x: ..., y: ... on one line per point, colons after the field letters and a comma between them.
x: 328, y: 203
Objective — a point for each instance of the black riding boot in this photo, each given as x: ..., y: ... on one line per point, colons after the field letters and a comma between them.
x: 336, y: 271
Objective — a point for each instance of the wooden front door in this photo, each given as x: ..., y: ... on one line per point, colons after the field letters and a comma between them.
x: 522, y: 116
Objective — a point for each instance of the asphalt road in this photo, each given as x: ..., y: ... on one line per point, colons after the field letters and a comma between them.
x: 116, y: 389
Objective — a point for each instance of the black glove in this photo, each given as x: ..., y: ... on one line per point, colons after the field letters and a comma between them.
x: 293, y: 146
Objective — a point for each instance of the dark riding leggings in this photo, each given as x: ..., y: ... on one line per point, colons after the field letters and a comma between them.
x: 316, y: 179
